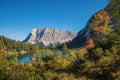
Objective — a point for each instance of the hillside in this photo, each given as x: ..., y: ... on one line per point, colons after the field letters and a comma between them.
x: 7, y: 44
x: 99, y: 25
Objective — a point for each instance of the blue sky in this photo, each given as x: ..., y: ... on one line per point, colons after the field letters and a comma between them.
x: 19, y: 17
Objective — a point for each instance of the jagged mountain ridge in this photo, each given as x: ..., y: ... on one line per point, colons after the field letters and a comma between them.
x: 49, y: 36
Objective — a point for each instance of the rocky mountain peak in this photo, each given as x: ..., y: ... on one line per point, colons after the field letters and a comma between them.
x: 49, y: 36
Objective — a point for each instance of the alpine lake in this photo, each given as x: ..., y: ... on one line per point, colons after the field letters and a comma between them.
x: 28, y: 57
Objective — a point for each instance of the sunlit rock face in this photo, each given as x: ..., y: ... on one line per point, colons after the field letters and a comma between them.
x: 49, y: 36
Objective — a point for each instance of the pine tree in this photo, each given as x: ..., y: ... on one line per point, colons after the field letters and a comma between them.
x: 64, y: 49
x: 36, y: 49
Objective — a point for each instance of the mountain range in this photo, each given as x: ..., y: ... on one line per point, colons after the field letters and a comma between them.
x: 97, y: 27
x: 47, y: 37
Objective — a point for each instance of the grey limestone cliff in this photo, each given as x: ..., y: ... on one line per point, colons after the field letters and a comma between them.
x: 49, y: 36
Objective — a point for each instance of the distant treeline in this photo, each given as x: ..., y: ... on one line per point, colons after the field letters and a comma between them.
x: 7, y: 44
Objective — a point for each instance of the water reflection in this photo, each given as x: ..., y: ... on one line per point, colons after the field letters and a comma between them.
x: 38, y: 57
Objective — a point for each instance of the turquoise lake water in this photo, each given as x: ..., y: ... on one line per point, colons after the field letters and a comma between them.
x: 25, y: 59
x: 28, y: 57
